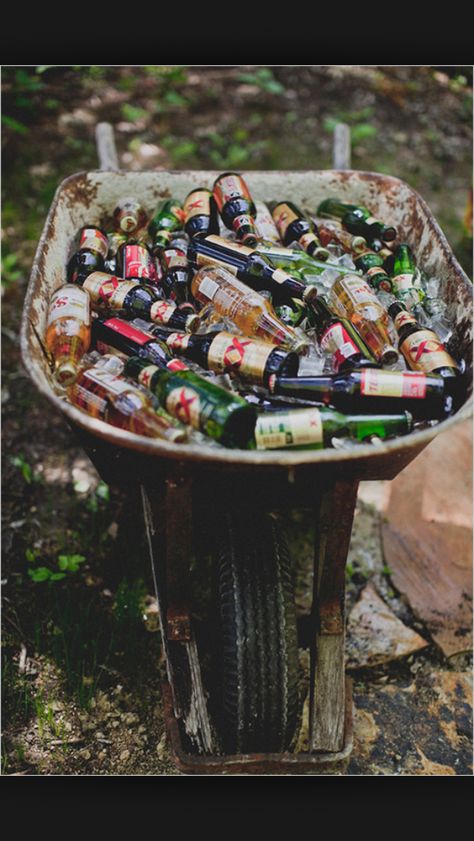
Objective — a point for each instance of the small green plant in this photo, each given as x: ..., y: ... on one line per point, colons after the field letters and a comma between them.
x: 66, y: 564
x: 27, y: 471
x: 98, y: 497
x: 361, y: 129
x: 133, y: 113
x: 264, y: 79
x: 11, y: 271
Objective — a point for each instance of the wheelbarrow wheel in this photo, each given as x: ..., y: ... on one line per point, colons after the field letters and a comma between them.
x: 257, y: 663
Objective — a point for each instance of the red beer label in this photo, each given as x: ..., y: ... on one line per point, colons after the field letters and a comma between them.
x: 128, y: 330
x: 137, y: 263
x: 94, y: 240
x: 336, y: 341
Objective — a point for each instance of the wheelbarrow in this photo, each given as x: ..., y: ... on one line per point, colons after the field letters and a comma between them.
x: 238, y: 492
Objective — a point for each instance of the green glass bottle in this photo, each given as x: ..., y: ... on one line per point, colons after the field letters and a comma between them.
x: 372, y: 265
x: 403, y: 273
x: 296, y: 261
x: 168, y: 217
x: 357, y: 219
x: 315, y: 428
x: 220, y: 414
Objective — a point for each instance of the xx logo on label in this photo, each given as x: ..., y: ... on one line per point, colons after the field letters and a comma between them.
x: 425, y: 346
x: 183, y: 408
x: 235, y: 352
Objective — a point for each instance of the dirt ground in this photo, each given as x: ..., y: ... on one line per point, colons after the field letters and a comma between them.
x: 81, y: 654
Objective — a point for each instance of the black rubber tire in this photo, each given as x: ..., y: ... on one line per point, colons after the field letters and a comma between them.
x: 257, y: 665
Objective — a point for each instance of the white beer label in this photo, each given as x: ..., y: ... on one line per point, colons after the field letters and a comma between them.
x: 70, y: 302
x: 108, y: 380
x: 289, y: 429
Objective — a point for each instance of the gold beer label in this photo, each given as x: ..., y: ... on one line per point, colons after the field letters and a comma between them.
x: 161, y: 311
x: 403, y: 318
x: 423, y: 351
x: 197, y: 204
x: 280, y: 276
x: 392, y: 384
x: 178, y: 341
x: 237, y: 353
x: 283, y: 216
x: 230, y: 244
x: 94, y: 240
x: 184, y: 404
x: 70, y: 302
x: 108, y: 289
x: 289, y: 429
x: 230, y: 187
x: 146, y: 374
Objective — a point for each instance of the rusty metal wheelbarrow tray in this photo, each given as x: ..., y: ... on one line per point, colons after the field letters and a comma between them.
x: 324, y: 479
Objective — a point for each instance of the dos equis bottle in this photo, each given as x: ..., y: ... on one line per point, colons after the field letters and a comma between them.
x: 215, y: 412
x: 108, y: 292
x: 200, y: 213
x: 368, y: 390
x: 68, y: 331
x: 337, y: 336
x: 294, y: 226
x: 225, y: 353
x: 315, y: 428
x: 357, y: 219
x: 134, y: 262
x: 422, y: 349
x: 236, y: 206
x: 129, y: 216
x: 91, y: 253
x: 331, y: 230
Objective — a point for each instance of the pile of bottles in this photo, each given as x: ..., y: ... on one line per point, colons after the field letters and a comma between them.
x: 227, y: 321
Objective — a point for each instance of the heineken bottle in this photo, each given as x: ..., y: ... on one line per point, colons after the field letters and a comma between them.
x: 92, y: 250
x: 374, y: 391
x: 200, y: 213
x: 109, y: 292
x: 110, y: 398
x: 372, y: 265
x: 225, y: 353
x: 314, y: 429
x: 236, y: 206
x: 422, y: 349
x: 351, y: 297
x: 220, y: 414
x: 168, y: 217
x: 294, y: 226
x: 250, y: 312
x: 403, y: 271
x: 256, y: 270
x: 112, y: 335
x: 357, y: 220
x: 339, y: 338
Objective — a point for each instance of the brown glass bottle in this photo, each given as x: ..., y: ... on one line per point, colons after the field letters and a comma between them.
x: 236, y: 206
x: 421, y: 348
x: 92, y: 250
x: 200, y: 213
x: 337, y: 336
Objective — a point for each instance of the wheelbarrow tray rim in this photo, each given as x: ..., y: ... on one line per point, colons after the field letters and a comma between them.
x: 196, y: 452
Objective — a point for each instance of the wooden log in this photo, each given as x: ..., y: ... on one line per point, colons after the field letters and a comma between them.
x: 106, y: 149
x: 341, y: 152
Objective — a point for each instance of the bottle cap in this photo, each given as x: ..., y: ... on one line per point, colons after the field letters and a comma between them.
x: 389, y: 355
x: 192, y: 323
x: 321, y: 254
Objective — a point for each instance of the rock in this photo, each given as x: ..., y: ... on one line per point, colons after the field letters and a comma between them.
x: 376, y: 635
x: 125, y: 756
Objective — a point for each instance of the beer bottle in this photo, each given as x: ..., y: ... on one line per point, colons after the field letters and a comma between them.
x: 200, y: 213
x: 168, y: 217
x: 248, y: 310
x: 115, y: 240
x: 110, y: 398
x: 91, y: 252
x: 331, y: 230
x: 315, y: 428
x: 372, y: 265
x: 109, y: 292
x: 422, y: 349
x: 256, y: 270
x: 265, y: 226
x: 68, y: 331
x: 115, y: 334
x: 294, y: 226
x: 175, y: 274
x: 129, y: 216
x: 367, y: 390
x: 215, y: 412
x: 236, y: 206
x: 225, y: 353
x: 352, y: 298
x: 403, y: 276
x: 357, y: 219
x: 134, y: 262
x: 337, y: 336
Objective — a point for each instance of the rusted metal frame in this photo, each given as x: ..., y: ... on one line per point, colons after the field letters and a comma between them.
x: 334, y: 512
